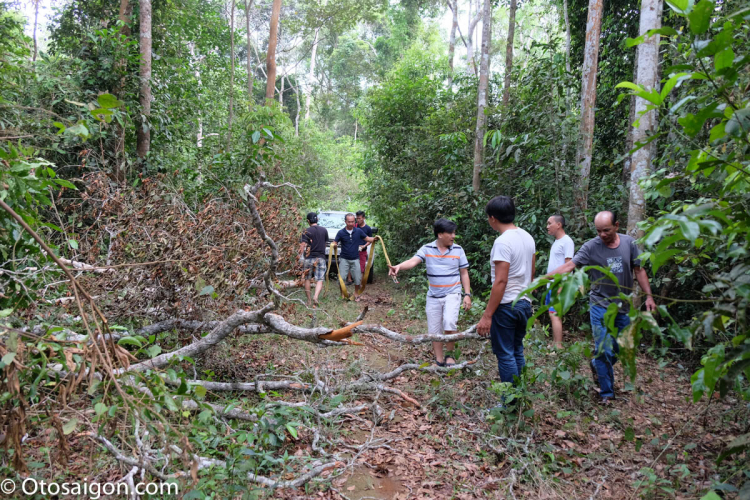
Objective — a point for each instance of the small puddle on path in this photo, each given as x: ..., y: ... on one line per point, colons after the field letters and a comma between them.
x: 363, y: 483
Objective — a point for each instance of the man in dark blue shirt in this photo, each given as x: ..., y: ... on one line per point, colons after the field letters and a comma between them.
x: 352, y: 239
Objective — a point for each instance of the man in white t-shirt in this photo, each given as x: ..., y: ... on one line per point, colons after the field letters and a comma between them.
x: 512, y: 261
x: 561, y: 252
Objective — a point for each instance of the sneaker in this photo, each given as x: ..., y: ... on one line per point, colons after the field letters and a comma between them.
x: 606, y: 401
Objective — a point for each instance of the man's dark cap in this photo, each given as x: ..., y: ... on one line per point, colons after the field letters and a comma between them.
x: 312, y: 217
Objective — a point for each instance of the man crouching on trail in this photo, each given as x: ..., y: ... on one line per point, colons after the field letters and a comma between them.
x: 447, y: 270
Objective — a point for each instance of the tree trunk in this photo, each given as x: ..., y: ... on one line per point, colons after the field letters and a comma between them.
x: 565, y: 137
x: 271, y: 56
x: 453, y: 5
x: 567, y: 38
x: 629, y: 139
x: 296, y: 116
x: 281, y: 91
x: 509, y: 52
x: 231, y: 76
x: 311, y: 74
x: 484, y: 78
x: 197, y: 61
x: 118, y: 172
x: 250, y: 73
x: 470, y: 42
x: 647, y: 75
x: 36, y: 16
x: 143, y: 128
x: 588, y: 102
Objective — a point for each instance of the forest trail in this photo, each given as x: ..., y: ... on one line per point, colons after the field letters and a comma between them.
x: 570, y: 447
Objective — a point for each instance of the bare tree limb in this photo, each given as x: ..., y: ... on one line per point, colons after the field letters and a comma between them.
x: 470, y: 333
x: 217, y: 334
x: 204, y: 463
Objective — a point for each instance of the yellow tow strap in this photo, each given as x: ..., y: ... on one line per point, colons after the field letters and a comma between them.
x: 342, y: 285
x: 370, y: 259
x: 368, y: 267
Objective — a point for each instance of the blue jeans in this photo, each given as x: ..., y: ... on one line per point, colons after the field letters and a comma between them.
x: 605, y: 348
x: 548, y: 299
x: 507, y: 332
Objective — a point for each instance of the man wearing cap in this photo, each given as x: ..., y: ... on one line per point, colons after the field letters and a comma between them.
x: 312, y: 252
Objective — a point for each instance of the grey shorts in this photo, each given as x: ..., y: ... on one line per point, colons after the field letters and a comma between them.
x: 317, y: 266
x: 347, y: 266
x: 442, y: 313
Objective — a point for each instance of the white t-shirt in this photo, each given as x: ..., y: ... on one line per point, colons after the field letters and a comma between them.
x: 516, y: 247
x: 561, y: 249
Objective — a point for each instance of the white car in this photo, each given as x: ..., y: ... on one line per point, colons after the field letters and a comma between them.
x: 333, y: 221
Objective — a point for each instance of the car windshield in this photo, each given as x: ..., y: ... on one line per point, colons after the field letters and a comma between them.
x: 331, y: 220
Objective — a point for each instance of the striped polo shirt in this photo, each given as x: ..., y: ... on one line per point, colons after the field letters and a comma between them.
x: 443, y: 269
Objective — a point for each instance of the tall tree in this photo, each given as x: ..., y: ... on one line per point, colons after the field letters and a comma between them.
x: 36, y: 17
x: 484, y: 79
x: 567, y: 38
x: 273, y: 39
x: 453, y: 5
x: 311, y: 74
x: 588, y: 101
x: 250, y: 72
x: 126, y: 9
x: 143, y: 134
x: 470, y: 39
x: 647, y: 68
x: 509, y: 52
x: 231, y: 75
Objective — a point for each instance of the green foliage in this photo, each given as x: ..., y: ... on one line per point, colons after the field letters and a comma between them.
x: 26, y: 184
x: 705, y: 194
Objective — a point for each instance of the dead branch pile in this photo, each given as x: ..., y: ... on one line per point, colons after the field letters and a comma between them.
x: 207, y: 260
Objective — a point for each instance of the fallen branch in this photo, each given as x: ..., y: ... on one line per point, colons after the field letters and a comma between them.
x: 204, y: 463
x: 80, y: 266
x: 217, y: 334
x: 419, y: 339
x: 278, y: 284
x: 184, y: 324
x: 330, y: 414
x: 374, y: 386
x: 413, y: 366
x: 290, y: 385
x: 133, y: 462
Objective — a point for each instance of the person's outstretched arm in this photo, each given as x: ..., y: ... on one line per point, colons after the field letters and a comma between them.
x: 642, y: 277
x: 404, y: 266
x: 565, y: 268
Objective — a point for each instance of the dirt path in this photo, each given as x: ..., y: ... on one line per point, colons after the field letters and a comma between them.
x: 652, y: 443
x: 564, y: 445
